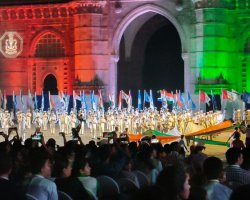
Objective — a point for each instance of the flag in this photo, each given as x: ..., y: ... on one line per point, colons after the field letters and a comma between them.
x: 129, y: 100
x: 75, y: 98
x: 112, y: 101
x: 120, y: 100
x: 21, y: 98
x: 126, y: 97
x: 66, y: 100
x: 139, y: 104
x: 35, y: 101
x: 246, y: 97
x: 182, y: 100
x: 4, y: 100
x: 146, y: 97
x: 30, y: 100
x: 227, y: 95
x: 100, y: 99
x: 93, y: 102
x: 204, y: 98
x: 42, y: 104
x: 163, y: 99
x: 151, y: 102
x: 14, y: 100
x: 1, y: 98
x: 51, y: 102
x: 61, y: 98
x: 213, y: 100
x: 193, y: 106
x: 83, y: 100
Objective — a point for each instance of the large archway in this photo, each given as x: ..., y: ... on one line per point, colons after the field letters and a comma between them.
x: 155, y: 60
x: 50, y: 84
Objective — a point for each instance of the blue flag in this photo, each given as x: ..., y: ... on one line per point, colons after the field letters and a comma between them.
x: 83, y: 101
x: 182, y: 100
x: 151, y: 100
x: 246, y: 97
x: 42, y: 104
x: 213, y: 100
x: 93, y: 103
x: 146, y: 97
x: 139, y: 100
x: 193, y: 106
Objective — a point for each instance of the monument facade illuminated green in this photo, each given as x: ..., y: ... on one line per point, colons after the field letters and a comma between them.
x: 220, y: 50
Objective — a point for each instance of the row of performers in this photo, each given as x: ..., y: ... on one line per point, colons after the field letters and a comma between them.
x: 98, y: 121
x: 241, y: 117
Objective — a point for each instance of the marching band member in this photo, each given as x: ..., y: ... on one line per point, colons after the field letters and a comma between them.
x: 52, y: 123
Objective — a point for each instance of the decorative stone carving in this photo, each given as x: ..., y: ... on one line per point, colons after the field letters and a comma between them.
x: 11, y: 44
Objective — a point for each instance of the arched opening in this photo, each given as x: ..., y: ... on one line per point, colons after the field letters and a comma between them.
x: 155, y: 61
x: 50, y: 84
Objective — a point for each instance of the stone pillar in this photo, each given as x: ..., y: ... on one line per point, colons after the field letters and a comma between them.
x: 113, y: 75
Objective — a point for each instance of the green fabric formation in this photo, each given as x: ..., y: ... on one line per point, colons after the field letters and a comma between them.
x: 156, y: 133
x: 211, y: 142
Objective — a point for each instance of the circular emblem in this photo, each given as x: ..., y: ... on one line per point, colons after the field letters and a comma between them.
x: 11, y: 44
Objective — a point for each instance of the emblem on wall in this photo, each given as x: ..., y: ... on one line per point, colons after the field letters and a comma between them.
x: 11, y: 44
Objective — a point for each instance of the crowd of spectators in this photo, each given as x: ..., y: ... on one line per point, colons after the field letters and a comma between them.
x: 41, y: 170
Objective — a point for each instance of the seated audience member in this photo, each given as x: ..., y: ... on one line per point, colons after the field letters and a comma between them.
x: 237, y: 142
x: 213, y: 170
x: 64, y: 182
x: 8, y: 190
x: 40, y: 186
x: 82, y: 171
x: 197, y: 193
x: 246, y: 159
x: 150, y: 193
x: 175, y: 182
x: 236, y: 176
x: 241, y: 193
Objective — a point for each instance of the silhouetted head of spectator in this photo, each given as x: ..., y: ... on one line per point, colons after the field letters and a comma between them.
x: 62, y: 167
x: 51, y: 143
x: 246, y: 159
x: 213, y: 168
x: 175, y: 181
x: 40, y: 163
x: 234, y: 156
x: 5, y: 164
x: 197, y: 193
x: 151, y: 193
x: 241, y: 193
x: 81, y: 166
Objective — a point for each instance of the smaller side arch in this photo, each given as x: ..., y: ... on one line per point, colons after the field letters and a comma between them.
x: 51, y: 84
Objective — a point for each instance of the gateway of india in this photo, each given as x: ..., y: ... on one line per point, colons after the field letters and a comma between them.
x: 76, y: 44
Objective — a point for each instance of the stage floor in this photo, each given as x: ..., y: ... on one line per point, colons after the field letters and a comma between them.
x: 211, y: 150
